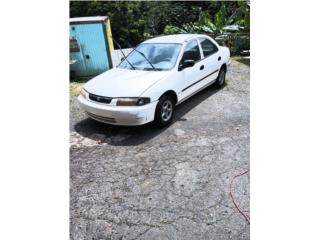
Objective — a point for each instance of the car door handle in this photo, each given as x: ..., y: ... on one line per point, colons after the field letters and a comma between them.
x: 219, y: 58
x: 202, y: 67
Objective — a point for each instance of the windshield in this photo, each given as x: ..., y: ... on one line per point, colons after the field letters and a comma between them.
x: 163, y: 56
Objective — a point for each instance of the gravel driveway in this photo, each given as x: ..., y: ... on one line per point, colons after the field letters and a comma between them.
x: 146, y: 183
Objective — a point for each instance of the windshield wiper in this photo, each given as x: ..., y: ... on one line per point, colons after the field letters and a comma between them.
x: 146, y: 59
x: 123, y: 53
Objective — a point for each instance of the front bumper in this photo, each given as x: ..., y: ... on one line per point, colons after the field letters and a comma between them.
x: 118, y: 115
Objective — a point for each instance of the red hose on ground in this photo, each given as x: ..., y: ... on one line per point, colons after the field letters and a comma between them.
x: 236, y: 205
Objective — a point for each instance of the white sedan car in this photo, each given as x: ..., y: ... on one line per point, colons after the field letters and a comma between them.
x: 156, y: 76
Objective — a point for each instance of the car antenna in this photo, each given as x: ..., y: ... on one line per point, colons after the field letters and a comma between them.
x: 123, y: 53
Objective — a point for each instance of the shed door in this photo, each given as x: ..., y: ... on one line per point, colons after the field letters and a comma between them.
x: 92, y: 41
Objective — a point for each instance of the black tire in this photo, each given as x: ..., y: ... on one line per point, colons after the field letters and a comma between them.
x: 164, y: 117
x: 221, y: 79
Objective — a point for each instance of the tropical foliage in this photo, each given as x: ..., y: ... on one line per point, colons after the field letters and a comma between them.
x: 135, y: 21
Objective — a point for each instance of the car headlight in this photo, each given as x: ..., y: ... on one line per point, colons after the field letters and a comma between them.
x: 83, y: 93
x: 139, y: 101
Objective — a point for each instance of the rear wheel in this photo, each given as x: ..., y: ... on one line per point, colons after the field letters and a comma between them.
x: 164, y: 111
x: 221, y: 78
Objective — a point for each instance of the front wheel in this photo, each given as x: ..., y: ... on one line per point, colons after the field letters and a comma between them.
x: 221, y: 78
x: 164, y: 111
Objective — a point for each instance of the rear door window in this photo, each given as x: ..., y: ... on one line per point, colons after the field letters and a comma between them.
x: 208, y: 47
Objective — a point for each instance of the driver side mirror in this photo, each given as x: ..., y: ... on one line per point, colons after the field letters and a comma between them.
x: 185, y: 64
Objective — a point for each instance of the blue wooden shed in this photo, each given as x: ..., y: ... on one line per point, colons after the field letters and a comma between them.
x: 90, y: 46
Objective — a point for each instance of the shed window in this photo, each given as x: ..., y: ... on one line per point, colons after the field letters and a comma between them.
x: 74, y: 47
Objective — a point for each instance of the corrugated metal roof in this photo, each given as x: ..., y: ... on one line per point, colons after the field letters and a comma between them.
x: 89, y: 19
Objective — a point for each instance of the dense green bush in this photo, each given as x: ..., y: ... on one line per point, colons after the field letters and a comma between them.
x: 135, y: 21
x: 232, y: 31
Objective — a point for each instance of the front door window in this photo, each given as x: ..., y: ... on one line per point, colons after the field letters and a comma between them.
x: 192, y: 51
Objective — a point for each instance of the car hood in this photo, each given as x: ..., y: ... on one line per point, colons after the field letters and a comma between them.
x: 119, y: 82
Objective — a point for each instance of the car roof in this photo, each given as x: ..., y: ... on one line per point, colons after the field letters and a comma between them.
x: 175, y: 38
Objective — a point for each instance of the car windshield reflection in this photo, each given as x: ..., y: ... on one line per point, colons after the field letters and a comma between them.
x: 163, y: 56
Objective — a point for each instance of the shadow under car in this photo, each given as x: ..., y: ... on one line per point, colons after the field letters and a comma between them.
x: 136, y: 135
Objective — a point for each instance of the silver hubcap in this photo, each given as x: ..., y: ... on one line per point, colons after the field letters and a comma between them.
x: 221, y: 77
x: 166, y: 110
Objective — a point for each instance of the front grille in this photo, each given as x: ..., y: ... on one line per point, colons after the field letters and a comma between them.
x: 99, y: 99
x: 101, y: 118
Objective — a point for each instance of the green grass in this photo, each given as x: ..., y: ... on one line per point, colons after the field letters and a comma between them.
x: 75, y: 86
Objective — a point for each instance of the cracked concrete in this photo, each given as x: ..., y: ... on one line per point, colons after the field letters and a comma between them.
x: 173, y: 183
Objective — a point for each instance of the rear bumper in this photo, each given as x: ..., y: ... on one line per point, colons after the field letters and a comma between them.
x: 118, y: 115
